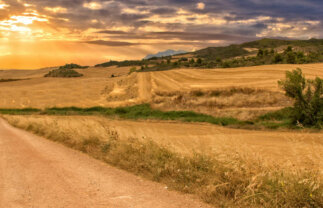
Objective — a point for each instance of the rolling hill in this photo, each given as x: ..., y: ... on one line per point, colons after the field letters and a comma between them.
x: 231, y: 51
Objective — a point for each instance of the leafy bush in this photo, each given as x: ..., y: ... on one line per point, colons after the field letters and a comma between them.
x: 308, y: 106
x: 63, y: 72
x: 10, y: 80
x: 132, y: 70
x: 73, y: 66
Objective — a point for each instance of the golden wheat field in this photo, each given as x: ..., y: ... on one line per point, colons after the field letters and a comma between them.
x: 258, y: 158
x: 290, y: 150
x: 239, y: 92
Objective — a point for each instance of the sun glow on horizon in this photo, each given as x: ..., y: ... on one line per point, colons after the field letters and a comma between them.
x: 100, y: 29
x: 3, y: 5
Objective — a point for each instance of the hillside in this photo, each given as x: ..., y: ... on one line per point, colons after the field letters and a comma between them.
x: 255, y: 53
x: 164, y: 54
x: 312, y: 45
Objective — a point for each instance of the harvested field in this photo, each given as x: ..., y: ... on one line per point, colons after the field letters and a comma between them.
x: 243, y: 93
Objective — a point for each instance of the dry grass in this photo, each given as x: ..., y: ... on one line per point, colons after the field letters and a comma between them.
x: 124, y: 89
x: 241, y: 103
x: 223, y: 178
x: 230, y: 174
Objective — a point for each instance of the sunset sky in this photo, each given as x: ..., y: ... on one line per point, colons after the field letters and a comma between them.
x: 40, y: 33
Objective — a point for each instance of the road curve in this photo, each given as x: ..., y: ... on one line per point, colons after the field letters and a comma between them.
x: 38, y: 173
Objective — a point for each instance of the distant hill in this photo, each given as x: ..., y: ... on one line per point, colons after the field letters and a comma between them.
x: 245, y: 49
x: 165, y: 53
x: 260, y: 52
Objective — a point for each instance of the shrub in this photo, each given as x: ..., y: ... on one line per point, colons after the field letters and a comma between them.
x: 63, y: 72
x: 308, y: 106
x: 132, y: 70
x: 291, y: 58
x: 278, y: 58
x: 73, y: 66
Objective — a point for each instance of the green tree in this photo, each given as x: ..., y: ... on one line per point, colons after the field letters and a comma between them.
x: 278, y: 58
x: 260, y: 53
x: 272, y: 51
x: 290, y: 58
x: 288, y: 49
x: 308, y: 96
x: 199, y: 61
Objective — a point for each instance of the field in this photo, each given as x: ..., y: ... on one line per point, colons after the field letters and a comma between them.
x: 258, y: 168
x: 243, y: 93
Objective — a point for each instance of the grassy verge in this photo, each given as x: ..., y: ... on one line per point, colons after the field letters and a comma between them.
x: 275, y: 120
x: 11, y: 80
x: 143, y: 111
x: 231, y: 181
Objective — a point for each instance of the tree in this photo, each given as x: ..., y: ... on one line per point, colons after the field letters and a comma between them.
x: 272, y: 51
x: 199, y: 61
x: 260, y: 53
x: 278, y: 58
x: 288, y: 49
x: 308, y: 96
x: 291, y: 58
x: 218, y: 60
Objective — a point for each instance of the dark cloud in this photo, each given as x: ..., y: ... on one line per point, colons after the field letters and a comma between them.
x: 237, y: 13
x: 110, y: 43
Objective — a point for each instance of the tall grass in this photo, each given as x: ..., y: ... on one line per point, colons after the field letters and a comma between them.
x: 11, y: 80
x: 232, y: 181
x: 274, y: 120
x: 25, y: 111
x: 143, y: 111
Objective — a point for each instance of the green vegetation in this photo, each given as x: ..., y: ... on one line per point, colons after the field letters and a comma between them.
x: 213, y: 53
x: 73, y: 66
x: 133, y: 112
x: 133, y: 69
x: 308, y: 107
x: 25, y: 111
x: 123, y: 63
x: 10, y: 80
x: 63, y: 72
x: 263, y: 56
x: 313, y: 44
x: 233, y: 181
x: 308, y: 96
x: 261, y: 52
x: 66, y: 71
x: 273, y: 120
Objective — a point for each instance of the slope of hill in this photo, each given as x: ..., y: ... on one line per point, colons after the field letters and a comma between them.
x: 259, y: 52
x: 312, y: 45
x: 165, y: 53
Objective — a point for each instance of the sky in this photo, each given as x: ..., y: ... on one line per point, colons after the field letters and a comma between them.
x: 43, y: 33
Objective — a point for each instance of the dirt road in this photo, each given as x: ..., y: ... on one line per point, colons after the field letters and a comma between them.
x: 35, y: 172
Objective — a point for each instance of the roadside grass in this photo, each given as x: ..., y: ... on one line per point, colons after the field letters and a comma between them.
x: 274, y: 120
x: 231, y: 181
x: 11, y: 80
x: 24, y: 111
x: 143, y: 111
x: 278, y: 119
